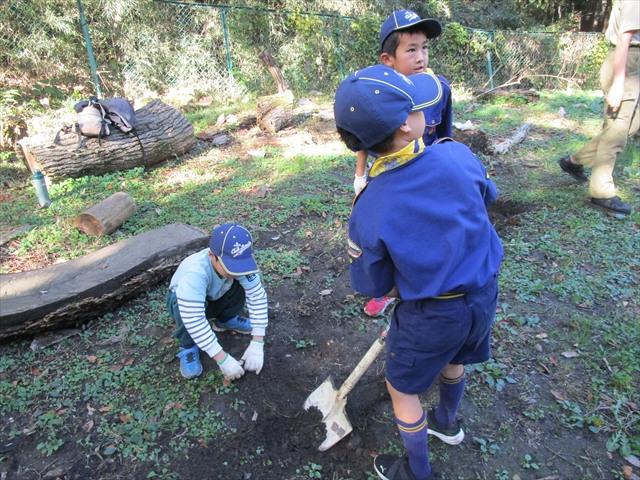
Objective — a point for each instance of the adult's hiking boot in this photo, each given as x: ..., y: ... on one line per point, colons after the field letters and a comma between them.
x: 611, y: 205
x: 576, y: 171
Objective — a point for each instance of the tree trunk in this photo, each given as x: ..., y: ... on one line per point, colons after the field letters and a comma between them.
x: 163, y: 132
x: 105, y: 217
x: 73, y: 292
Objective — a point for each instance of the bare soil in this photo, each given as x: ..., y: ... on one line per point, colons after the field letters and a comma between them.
x: 271, y: 437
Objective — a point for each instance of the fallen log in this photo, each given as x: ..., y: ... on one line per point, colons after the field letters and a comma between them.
x: 105, y: 217
x: 516, y: 138
x: 163, y: 131
x: 67, y: 294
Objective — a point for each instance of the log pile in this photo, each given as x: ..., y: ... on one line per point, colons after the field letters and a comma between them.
x: 164, y: 132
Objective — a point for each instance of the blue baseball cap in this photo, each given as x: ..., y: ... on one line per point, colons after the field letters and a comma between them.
x: 401, y: 19
x: 232, y: 244
x: 374, y: 102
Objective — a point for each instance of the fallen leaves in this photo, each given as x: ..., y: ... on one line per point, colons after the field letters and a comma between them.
x: 570, y: 354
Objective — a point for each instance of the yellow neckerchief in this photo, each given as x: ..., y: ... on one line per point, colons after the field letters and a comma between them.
x: 397, y: 159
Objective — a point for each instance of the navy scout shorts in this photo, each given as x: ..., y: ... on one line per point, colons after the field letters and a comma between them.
x: 427, y: 335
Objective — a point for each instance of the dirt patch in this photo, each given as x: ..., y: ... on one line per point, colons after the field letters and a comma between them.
x: 317, y: 329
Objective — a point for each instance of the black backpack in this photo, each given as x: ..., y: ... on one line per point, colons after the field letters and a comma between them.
x: 97, y: 118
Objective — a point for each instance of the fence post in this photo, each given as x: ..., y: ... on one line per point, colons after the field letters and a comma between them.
x: 489, y: 66
x: 87, y: 39
x: 225, y: 30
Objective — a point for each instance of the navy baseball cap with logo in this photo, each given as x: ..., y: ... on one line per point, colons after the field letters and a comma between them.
x: 401, y: 19
x: 232, y: 244
x: 374, y: 102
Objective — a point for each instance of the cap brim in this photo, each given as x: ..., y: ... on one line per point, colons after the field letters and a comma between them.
x: 429, y: 91
x: 239, y: 268
x: 432, y: 27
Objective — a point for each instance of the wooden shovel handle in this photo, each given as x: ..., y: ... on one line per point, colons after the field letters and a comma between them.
x: 362, y: 366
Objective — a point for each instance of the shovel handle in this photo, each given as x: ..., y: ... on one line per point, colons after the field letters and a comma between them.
x: 362, y: 366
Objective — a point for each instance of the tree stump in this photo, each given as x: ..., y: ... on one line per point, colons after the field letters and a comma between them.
x: 67, y: 294
x: 163, y: 131
x: 105, y: 217
x: 274, y: 111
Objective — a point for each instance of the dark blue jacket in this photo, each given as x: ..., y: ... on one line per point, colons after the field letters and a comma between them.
x: 424, y: 227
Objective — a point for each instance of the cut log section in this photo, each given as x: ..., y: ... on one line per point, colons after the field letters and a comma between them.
x: 164, y: 132
x: 106, y: 217
x: 67, y: 294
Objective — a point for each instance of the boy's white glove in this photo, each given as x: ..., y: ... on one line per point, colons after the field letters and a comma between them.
x: 359, y: 183
x: 230, y: 367
x: 254, y: 356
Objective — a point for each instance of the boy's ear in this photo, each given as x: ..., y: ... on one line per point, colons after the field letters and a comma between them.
x: 386, y: 59
x: 405, y: 128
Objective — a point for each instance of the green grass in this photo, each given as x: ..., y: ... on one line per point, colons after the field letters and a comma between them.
x: 570, y: 282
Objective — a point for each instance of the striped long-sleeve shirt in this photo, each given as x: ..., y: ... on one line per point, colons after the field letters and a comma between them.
x: 195, y: 281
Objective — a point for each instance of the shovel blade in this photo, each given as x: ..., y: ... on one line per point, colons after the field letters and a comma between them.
x: 324, y: 398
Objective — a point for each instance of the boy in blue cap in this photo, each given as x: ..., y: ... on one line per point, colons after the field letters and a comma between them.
x: 214, y: 284
x: 419, y: 230
x: 404, y: 47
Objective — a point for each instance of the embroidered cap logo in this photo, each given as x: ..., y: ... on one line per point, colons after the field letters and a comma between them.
x: 238, y: 248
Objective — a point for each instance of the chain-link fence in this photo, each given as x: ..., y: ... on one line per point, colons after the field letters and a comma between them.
x: 214, y: 50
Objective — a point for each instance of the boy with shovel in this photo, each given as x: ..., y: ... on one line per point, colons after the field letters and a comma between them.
x: 213, y: 285
x: 419, y: 230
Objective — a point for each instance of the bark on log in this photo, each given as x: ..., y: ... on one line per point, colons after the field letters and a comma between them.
x: 163, y: 131
x: 67, y: 294
x: 275, y: 111
x: 105, y: 217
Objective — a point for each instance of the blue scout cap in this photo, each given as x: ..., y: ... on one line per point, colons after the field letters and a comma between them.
x: 408, y: 18
x: 374, y: 102
x: 232, y: 244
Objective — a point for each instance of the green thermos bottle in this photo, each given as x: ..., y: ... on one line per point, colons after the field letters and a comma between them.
x: 41, y: 188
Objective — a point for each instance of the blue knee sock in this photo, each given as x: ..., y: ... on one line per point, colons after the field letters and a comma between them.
x: 414, y: 437
x: 451, y: 390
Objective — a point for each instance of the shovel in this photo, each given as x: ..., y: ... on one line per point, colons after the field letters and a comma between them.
x: 331, y: 402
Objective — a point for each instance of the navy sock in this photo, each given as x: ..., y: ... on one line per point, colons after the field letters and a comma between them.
x: 451, y: 390
x: 414, y: 437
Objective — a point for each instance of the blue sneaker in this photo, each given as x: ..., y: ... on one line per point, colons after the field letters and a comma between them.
x: 190, y: 365
x: 237, y: 324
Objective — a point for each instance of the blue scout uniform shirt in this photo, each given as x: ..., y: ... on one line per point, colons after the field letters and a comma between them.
x: 422, y: 225
x: 439, y: 118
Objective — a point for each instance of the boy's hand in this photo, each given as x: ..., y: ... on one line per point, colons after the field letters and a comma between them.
x: 254, y: 356
x: 230, y: 368
x: 359, y: 183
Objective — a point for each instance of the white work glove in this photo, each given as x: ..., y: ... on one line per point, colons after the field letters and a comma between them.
x: 254, y: 356
x: 230, y: 367
x: 359, y: 183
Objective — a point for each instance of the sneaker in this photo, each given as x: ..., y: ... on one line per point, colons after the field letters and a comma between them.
x: 377, y: 306
x: 237, y: 324
x: 576, y: 171
x: 451, y: 434
x: 190, y: 365
x: 390, y: 467
x: 611, y: 205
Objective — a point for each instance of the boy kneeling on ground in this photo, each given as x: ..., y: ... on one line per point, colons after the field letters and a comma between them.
x: 214, y: 284
x: 419, y: 230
